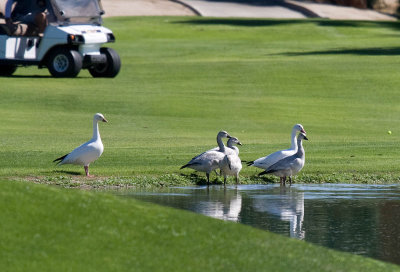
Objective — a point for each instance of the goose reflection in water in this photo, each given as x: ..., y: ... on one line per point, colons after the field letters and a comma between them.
x: 228, y: 209
x: 288, y: 206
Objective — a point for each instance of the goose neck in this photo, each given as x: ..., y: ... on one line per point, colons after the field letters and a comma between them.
x: 96, y: 132
x: 300, y: 151
x: 220, y: 144
x: 293, y: 140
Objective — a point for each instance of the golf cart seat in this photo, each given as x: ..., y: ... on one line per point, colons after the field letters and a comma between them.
x: 18, y: 29
x: 4, y: 29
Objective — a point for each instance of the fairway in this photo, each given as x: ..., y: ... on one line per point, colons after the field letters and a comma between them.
x: 184, y: 79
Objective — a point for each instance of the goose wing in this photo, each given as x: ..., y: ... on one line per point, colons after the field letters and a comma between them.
x: 84, y: 154
x: 271, y: 159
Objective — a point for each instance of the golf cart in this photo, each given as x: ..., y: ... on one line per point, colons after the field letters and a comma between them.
x: 72, y: 41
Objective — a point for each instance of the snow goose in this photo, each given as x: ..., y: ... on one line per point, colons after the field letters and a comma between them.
x: 87, y: 152
x: 221, y: 147
x: 289, y: 166
x: 231, y: 163
x: 209, y: 161
x: 231, y: 144
x: 232, y: 149
x: 269, y: 160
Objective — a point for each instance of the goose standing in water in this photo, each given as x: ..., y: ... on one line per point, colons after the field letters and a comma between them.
x: 87, y: 152
x: 231, y: 163
x: 269, y: 160
x: 209, y: 161
x: 231, y: 150
x: 289, y: 166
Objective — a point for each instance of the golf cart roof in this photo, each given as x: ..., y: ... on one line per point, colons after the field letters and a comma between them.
x: 77, y: 11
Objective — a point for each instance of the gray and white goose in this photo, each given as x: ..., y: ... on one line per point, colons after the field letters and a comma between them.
x: 271, y: 159
x: 209, y: 161
x: 291, y: 165
x: 231, y: 164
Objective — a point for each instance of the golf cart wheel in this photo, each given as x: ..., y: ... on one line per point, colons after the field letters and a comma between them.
x: 7, y: 69
x: 64, y: 62
x: 110, y: 68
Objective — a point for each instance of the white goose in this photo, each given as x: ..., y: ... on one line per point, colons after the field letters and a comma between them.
x: 231, y: 163
x: 209, y: 161
x: 289, y: 166
x: 87, y: 152
x: 269, y: 160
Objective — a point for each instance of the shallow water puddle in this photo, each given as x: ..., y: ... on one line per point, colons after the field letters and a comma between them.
x: 361, y: 219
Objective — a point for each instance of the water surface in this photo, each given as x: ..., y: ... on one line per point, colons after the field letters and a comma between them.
x: 361, y: 219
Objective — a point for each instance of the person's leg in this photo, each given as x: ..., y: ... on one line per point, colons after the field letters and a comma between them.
x: 41, y: 22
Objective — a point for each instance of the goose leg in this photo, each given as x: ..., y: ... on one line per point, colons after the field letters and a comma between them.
x: 284, y: 181
x: 237, y: 179
x: 208, y: 178
x: 290, y: 180
x: 86, y: 170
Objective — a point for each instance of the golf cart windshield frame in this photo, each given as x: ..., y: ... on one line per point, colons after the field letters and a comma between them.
x: 77, y: 11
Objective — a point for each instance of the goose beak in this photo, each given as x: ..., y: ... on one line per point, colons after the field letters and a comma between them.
x: 305, y: 138
x: 104, y: 120
x: 239, y: 143
x: 228, y: 136
x: 303, y: 131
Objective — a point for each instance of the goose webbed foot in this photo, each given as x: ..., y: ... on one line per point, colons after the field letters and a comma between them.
x: 87, y: 172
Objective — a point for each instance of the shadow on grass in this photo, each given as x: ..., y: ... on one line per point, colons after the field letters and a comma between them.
x: 276, y: 22
x: 26, y: 76
x: 262, y: 179
x: 250, y: 2
x: 43, y: 76
x: 391, y: 51
x: 75, y: 173
x: 200, y: 178
x: 241, y: 22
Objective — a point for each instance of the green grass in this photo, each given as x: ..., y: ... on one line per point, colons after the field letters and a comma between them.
x: 184, y: 78
x: 45, y: 228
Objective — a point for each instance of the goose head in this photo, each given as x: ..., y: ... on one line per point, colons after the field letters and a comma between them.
x: 232, y: 141
x: 98, y: 117
x: 299, y: 127
x: 302, y: 136
x: 223, y: 134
